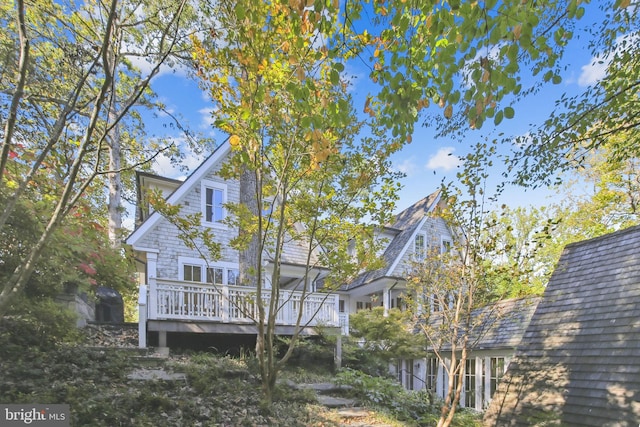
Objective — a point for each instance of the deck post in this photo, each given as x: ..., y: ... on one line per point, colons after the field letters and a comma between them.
x: 225, y: 302
x: 142, y: 317
x: 152, y: 266
x: 338, y: 353
x: 386, y: 301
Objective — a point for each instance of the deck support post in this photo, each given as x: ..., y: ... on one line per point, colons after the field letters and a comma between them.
x: 162, y: 339
x: 338, y: 353
x: 142, y: 317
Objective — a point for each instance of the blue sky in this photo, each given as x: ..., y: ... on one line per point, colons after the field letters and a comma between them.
x: 427, y: 160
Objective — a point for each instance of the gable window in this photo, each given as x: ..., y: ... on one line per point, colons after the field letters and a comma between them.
x: 446, y: 246
x: 420, y: 246
x: 214, y: 196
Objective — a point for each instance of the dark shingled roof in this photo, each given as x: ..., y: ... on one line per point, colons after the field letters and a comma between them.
x: 405, y: 222
x: 579, y: 360
x: 500, y: 325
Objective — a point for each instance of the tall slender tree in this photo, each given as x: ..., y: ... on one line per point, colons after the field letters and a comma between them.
x: 58, y: 74
x: 305, y: 179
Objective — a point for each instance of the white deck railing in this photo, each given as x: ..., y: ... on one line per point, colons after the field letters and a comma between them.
x: 236, y: 304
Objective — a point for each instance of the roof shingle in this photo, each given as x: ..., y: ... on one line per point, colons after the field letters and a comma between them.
x: 579, y: 361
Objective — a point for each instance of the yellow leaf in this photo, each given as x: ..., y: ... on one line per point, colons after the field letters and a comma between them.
x: 376, y: 53
x: 234, y: 140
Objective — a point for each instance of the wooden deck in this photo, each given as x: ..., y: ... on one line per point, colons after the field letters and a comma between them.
x: 200, y: 302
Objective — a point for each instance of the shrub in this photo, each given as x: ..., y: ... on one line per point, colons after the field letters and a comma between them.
x: 389, y: 396
x: 38, y: 324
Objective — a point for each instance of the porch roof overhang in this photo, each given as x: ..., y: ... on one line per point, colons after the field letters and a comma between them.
x: 378, y: 285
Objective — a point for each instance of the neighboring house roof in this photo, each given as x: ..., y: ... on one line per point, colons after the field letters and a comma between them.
x: 503, y: 323
x: 407, y: 223
x: 499, y: 325
x: 579, y: 360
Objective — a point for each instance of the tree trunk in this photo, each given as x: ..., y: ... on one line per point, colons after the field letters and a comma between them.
x: 115, y: 182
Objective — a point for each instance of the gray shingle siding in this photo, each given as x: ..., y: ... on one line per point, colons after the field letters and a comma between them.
x: 579, y: 361
x: 405, y: 224
x: 163, y: 236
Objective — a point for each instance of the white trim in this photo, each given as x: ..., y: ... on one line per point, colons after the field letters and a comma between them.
x: 413, y: 236
x: 147, y: 250
x: 203, y: 264
x: 181, y: 191
x: 406, y: 246
x: 206, y: 184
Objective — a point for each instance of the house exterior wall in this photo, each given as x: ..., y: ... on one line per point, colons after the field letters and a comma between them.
x: 434, y: 229
x: 163, y: 236
x: 479, y: 384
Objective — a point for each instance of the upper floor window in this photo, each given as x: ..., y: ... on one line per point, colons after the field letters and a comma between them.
x: 446, y: 246
x: 420, y: 246
x: 214, y: 196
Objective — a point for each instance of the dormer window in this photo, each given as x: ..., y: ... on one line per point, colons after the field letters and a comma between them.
x: 420, y: 246
x: 214, y: 196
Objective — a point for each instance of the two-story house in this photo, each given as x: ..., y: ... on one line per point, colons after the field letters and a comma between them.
x: 180, y: 292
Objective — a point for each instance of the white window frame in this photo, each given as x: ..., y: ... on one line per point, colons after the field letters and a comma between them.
x: 444, y: 240
x: 420, y: 255
x: 213, y: 185
x: 226, y: 266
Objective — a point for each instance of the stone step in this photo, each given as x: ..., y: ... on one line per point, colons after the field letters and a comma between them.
x: 335, y: 402
x: 354, y: 412
x: 156, y: 374
x: 324, y: 388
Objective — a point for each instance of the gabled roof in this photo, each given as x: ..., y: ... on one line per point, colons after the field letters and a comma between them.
x: 407, y: 223
x: 218, y: 154
x: 294, y: 251
x: 579, y: 360
x: 146, y: 180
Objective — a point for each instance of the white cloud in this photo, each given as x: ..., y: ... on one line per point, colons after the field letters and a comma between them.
x: 444, y: 159
x: 593, y: 72
x: 177, y: 168
x: 407, y: 166
x: 492, y: 54
x: 145, y: 67
x: 524, y: 140
x: 596, y: 69
x: 207, y: 117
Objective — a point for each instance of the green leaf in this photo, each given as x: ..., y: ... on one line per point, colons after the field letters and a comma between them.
x: 334, y: 76
x: 498, y: 118
x: 509, y: 112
